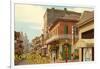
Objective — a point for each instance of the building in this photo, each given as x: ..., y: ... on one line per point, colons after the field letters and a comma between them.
x: 25, y: 42
x: 38, y: 44
x: 43, y: 46
x: 59, y: 41
x: 49, y: 16
x: 18, y: 45
x: 75, y: 38
x: 85, y: 44
x: 21, y: 43
x: 30, y: 47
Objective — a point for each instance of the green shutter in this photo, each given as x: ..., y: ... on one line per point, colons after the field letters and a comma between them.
x: 65, y: 29
x: 69, y: 52
x: 64, y: 53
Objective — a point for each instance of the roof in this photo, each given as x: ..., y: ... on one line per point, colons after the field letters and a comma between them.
x: 53, y: 13
x: 68, y: 17
x: 86, y: 16
x: 63, y: 10
x: 72, y: 16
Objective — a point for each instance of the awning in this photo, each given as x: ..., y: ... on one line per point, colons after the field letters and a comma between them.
x: 84, y: 43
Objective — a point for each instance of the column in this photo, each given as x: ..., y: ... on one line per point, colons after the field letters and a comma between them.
x: 60, y: 51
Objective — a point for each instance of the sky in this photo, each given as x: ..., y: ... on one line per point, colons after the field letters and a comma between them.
x: 29, y: 18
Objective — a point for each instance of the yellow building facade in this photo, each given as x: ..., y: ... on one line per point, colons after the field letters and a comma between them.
x: 85, y: 44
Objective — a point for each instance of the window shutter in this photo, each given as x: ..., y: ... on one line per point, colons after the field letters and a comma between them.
x: 65, y: 29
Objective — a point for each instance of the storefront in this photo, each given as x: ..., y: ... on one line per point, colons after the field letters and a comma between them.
x: 86, y: 49
x: 59, y: 51
x: 88, y: 54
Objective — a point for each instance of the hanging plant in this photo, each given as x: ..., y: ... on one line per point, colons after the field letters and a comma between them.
x: 64, y: 53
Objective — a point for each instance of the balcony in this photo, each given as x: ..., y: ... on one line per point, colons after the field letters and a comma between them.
x: 58, y: 37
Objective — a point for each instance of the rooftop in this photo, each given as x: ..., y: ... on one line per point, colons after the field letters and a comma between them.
x: 87, y: 15
x: 69, y: 16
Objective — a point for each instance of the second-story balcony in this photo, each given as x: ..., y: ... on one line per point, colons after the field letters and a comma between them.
x: 58, y: 37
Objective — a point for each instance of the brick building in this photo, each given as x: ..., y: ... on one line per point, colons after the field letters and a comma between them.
x: 60, y: 35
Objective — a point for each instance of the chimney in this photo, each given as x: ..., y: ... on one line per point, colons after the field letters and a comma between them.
x: 53, y: 8
x: 65, y: 9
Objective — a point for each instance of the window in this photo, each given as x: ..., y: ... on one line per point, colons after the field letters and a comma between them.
x: 88, y: 34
